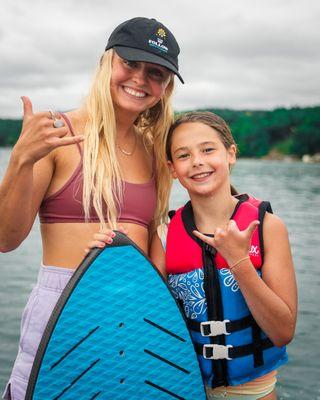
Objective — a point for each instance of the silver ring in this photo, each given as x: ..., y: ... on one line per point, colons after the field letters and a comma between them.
x: 58, y: 123
x: 52, y: 115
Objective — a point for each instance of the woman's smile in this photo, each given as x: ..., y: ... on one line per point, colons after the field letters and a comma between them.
x: 136, y: 93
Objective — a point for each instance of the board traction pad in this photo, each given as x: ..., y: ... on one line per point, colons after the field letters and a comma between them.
x: 116, y: 333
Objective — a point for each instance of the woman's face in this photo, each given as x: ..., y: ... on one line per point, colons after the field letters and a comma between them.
x: 137, y: 86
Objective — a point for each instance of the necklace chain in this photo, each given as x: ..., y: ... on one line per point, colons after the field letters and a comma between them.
x: 129, y: 153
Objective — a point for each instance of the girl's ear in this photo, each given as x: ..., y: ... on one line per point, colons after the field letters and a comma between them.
x: 172, y: 170
x: 232, y: 152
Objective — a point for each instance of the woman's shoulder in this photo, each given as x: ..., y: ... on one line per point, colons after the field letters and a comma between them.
x: 75, y: 120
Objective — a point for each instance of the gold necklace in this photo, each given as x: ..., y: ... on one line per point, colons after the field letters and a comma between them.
x: 129, y: 153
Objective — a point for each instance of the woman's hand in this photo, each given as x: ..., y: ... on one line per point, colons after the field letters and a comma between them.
x: 230, y: 242
x: 38, y: 135
x: 102, y: 238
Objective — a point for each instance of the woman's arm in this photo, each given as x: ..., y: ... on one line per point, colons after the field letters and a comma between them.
x: 29, y: 174
x: 21, y: 192
x: 157, y: 254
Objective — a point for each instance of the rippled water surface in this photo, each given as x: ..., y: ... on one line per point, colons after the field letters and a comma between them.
x: 294, y: 191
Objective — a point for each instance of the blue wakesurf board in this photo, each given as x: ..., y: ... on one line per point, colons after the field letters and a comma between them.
x: 116, y: 333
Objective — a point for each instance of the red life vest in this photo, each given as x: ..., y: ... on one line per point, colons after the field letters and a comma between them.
x: 230, y: 345
x: 183, y: 253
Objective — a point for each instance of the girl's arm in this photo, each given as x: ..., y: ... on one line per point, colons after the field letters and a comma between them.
x: 157, y: 255
x: 272, y: 300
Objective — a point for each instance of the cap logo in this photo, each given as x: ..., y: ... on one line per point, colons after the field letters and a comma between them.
x: 158, y: 43
x: 161, y: 33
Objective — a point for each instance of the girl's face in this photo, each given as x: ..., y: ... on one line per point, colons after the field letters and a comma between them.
x: 199, y: 158
x: 137, y: 86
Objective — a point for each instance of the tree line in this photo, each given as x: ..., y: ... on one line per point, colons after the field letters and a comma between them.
x: 288, y: 131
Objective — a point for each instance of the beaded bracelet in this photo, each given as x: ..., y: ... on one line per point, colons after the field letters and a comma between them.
x: 238, y: 262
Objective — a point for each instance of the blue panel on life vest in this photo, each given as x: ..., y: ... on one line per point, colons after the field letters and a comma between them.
x: 189, y: 288
x: 116, y: 333
x: 235, y: 309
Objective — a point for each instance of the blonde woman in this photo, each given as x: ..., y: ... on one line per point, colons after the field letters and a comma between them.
x: 91, y: 169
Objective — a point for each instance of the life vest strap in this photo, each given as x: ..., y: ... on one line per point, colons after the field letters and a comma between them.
x: 215, y: 328
x: 257, y: 351
x: 218, y: 352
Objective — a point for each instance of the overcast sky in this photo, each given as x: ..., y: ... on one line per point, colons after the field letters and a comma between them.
x: 242, y: 54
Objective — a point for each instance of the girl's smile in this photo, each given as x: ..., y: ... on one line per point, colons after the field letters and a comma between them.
x: 201, y: 177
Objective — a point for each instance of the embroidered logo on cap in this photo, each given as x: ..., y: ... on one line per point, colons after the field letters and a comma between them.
x: 158, y: 44
x: 161, y: 33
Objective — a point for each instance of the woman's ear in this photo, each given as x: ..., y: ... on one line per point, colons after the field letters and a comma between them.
x: 172, y: 170
x: 232, y: 154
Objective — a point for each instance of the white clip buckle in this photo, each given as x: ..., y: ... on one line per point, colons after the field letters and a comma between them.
x: 219, y: 352
x: 216, y: 328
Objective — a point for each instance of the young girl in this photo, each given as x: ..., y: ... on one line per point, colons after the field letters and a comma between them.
x: 228, y: 263
x: 227, y: 259
x: 90, y: 169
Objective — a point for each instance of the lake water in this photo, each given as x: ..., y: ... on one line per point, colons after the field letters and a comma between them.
x: 294, y: 191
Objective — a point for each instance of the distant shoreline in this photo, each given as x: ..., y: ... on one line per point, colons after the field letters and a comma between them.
x: 307, y: 158
x: 281, y: 134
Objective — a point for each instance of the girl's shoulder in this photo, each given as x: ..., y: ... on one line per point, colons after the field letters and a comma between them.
x: 273, y: 223
x: 275, y: 233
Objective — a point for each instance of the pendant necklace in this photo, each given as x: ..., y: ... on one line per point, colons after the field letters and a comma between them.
x: 129, y: 153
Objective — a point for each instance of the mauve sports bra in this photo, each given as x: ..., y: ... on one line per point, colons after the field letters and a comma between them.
x: 139, y: 200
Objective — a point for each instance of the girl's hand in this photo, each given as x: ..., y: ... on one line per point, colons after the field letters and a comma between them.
x: 102, y: 238
x: 230, y: 242
x: 38, y: 135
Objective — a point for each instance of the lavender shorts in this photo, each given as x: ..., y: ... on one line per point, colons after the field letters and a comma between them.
x: 43, y: 298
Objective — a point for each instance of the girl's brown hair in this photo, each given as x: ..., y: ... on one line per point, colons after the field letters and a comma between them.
x: 205, y: 117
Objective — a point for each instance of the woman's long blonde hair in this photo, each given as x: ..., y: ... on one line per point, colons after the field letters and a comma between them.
x: 102, y: 178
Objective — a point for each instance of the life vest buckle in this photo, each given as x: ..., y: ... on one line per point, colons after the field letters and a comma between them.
x: 216, y: 352
x: 214, y: 328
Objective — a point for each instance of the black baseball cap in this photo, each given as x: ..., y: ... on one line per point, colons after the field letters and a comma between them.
x: 148, y: 40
